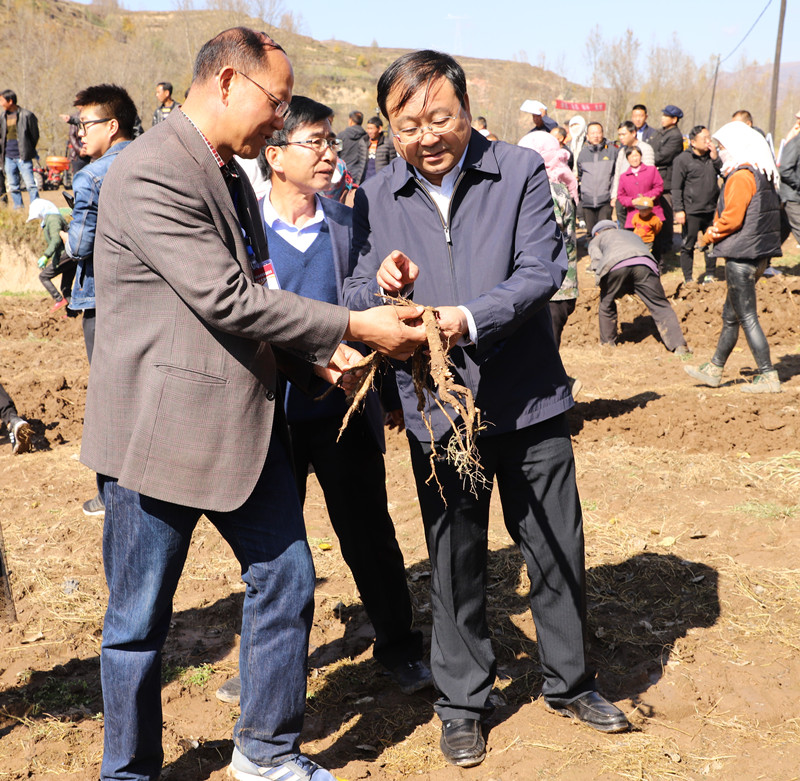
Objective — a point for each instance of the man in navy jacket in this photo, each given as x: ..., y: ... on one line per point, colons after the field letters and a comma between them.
x: 467, y: 226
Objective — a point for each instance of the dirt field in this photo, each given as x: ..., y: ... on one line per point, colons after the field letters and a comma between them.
x: 690, y: 498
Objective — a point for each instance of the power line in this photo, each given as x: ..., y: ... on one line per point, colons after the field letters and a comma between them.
x: 769, y: 3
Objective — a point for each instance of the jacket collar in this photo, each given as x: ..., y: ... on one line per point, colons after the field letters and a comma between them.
x: 115, y: 149
x: 196, y: 146
x: 480, y: 157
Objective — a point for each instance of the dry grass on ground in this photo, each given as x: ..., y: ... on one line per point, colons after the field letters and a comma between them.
x: 691, y: 509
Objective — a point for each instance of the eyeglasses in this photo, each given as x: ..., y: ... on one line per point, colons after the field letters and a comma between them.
x: 319, y: 145
x: 84, y: 126
x: 438, y: 127
x: 281, y: 106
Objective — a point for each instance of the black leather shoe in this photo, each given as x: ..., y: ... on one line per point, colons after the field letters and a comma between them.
x: 462, y: 742
x: 411, y: 676
x: 596, y: 711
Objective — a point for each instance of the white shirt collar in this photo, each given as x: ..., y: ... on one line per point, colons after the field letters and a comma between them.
x: 448, y: 180
x: 277, y: 223
x: 443, y: 193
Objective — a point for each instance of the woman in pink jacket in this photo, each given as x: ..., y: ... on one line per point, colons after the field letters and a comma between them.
x: 639, y: 180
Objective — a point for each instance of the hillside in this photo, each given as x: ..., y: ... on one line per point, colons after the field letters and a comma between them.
x: 76, y: 45
x: 79, y: 45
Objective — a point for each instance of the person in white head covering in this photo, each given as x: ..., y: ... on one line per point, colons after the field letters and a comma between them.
x: 746, y: 232
x: 564, y: 191
x: 50, y: 261
x: 577, y: 132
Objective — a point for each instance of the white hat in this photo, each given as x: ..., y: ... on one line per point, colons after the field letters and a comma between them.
x: 533, y: 107
x: 39, y: 208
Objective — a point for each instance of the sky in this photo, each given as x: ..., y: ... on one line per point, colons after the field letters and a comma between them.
x: 552, y: 34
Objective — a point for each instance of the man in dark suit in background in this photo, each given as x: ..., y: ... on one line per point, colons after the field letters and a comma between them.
x: 181, y: 412
x: 667, y: 144
x: 639, y: 118
x: 351, y: 137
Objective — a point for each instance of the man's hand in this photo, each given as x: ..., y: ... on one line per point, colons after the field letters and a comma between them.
x: 64, y: 237
x: 452, y: 324
x: 396, y: 272
x: 680, y: 218
x: 394, y: 420
x: 392, y: 330
x: 337, y: 370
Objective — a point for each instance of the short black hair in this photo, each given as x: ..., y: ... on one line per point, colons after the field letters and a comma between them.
x: 640, y: 107
x: 239, y: 47
x: 376, y: 120
x: 419, y: 69
x: 599, y: 124
x: 166, y: 85
x: 357, y: 117
x: 628, y: 125
x: 10, y: 95
x: 113, y: 102
x: 742, y: 112
x: 302, y: 111
x: 696, y: 131
x: 560, y: 132
x: 631, y: 149
x: 481, y: 122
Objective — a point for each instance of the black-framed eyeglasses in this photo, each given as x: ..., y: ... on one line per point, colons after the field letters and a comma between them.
x: 319, y: 145
x: 84, y: 126
x: 281, y: 106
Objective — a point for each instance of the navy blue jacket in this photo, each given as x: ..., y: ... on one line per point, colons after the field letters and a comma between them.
x: 340, y: 225
x: 503, y: 258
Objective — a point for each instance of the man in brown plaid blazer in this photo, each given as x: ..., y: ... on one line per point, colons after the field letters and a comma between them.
x: 181, y: 410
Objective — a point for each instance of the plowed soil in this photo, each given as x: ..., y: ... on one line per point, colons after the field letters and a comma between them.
x: 691, y: 512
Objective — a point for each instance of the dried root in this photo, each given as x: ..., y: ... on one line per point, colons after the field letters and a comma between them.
x: 461, y: 451
x: 370, y: 364
x: 431, y: 366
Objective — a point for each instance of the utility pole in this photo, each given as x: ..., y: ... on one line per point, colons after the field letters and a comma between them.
x: 776, y: 71
x: 713, y: 94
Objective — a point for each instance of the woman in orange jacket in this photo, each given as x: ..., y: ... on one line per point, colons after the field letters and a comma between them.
x: 746, y: 232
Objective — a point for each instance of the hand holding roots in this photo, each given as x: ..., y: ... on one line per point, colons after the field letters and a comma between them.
x: 435, y: 364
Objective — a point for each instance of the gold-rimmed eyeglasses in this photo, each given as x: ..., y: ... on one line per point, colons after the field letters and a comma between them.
x: 438, y: 127
x: 281, y: 106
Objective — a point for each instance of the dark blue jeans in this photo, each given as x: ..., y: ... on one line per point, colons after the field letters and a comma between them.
x: 740, y: 309
x: 145, y: 542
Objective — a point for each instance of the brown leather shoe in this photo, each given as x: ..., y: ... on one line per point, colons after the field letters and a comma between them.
x: 462, y: 742
x: 595, y: 710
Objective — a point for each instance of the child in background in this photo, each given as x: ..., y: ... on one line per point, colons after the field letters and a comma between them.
x: 646, y: 225
x: 50, y: 262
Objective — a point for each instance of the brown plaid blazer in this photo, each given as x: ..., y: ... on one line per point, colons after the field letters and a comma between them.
x: 182, y: 386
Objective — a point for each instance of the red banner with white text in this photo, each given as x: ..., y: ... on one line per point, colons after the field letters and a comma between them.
x: 572, y: 105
